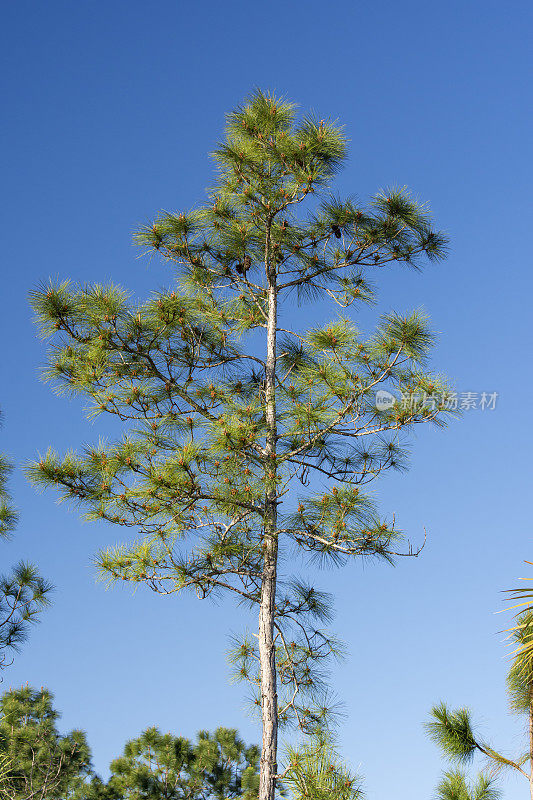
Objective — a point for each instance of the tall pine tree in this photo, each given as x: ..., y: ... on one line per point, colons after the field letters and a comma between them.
x: 244, y: 436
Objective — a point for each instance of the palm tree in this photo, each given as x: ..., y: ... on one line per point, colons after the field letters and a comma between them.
x: 525, y: 596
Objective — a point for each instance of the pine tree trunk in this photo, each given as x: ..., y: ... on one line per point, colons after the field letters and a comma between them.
x: 267, y: 655
x: 531, y: 740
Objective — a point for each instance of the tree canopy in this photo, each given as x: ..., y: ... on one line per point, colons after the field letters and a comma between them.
x: 40, y: 763
x: 157, y: 766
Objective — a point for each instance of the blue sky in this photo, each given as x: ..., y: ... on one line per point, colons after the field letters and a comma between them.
x: 110, y: 111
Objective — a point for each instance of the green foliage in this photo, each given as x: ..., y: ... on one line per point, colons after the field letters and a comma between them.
x: 40, y: 763
x: 316, y: 771
x: 23, y: 595
x: 23, y: 592
x: 8, y: 515
x: 36, y: 761
x: 216, y: 444
x: 452, y: 732
x: 302, y: 659
x: 158, y: 766
x: 520, y: 677
x: 524, y: 651
x: 454, y: 786
x: 97, y: 789
x: 4, y: 772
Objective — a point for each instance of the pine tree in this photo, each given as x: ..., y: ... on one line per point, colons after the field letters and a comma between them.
x: 40, y: 763
x: 454, y: 732
x: 454, y: 786
x: 23, y: 592
x: 158, y: 766
x: 228, y: 409
x: 97, y: 789
x: 315, y: 770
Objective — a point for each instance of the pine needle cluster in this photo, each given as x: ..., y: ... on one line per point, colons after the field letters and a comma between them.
x: 454, y: 786
x: 315, y: 770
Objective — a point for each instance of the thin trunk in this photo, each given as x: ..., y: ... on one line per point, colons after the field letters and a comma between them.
x: 531, y: 740
x: 267, y: 653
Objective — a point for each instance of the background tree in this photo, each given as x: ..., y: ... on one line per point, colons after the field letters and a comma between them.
x: 232, y: 455
x: 23, y: 592
x: 97, y: 789
x: 158, y: 766
x: 41, y: 764
x: 454, y: 733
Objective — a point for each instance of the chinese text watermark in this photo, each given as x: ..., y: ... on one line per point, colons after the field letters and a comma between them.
x: 445, y: 401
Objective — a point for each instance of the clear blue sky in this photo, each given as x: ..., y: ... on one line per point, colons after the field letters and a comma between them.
x: 110, y: 110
